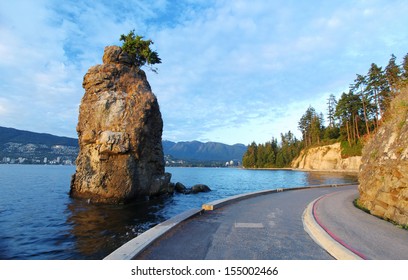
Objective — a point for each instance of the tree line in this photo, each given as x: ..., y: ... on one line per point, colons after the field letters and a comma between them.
x: 359, y: 112
x: 273, y: 154
x: 356, y: 115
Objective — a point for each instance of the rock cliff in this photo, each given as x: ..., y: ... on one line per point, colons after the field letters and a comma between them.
x: 326, y: 158
x: 119, y: 134
x: 384, y: 170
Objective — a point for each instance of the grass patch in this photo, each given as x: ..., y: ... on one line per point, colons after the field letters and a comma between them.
x: 396, y: 224
x: 402, y: 226
x: 351, y: 151
x: 357, y: 205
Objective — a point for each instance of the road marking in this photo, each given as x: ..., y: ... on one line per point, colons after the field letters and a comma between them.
x: 249, y: 225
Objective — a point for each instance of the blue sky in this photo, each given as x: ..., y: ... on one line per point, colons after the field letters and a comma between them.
x: 232, y: 71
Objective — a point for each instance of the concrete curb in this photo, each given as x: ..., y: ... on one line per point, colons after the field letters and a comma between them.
x: 322, y: 238
x: 222, y: 202
x: 135, y: 246
x: 210, y: 206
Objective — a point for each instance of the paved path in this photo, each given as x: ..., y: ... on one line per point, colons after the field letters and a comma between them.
x: 371, y: 237
x: 263, y: 227
x: 270, y: 226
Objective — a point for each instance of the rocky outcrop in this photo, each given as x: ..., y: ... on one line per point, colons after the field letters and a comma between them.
x: 180, y: 188
x: 326, y: 158
x: 384, y: 170
x: 119, y: 130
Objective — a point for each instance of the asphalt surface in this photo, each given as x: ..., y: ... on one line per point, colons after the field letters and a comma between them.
x: 263, y: 227
x: 370, y: 236
x: 270, y: 227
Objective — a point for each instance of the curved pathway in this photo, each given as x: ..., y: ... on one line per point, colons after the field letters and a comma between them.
x: 262, y: 227
x: 274, y: 226
x: 366, y: 235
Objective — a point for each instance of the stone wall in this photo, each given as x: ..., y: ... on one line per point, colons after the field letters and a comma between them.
x: 384, y: 171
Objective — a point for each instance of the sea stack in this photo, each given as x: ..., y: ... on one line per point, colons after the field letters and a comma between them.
x: 119, y: 133
x: 384, y: 171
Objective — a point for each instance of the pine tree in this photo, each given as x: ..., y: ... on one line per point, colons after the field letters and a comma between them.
x: 392, y: 74
x: 378, y: 90
x: 360, y: 85
x: 331, y: 109
x: 348, y: 112
x: 404, y: 66
x: 249, y: 159
x: 311, y: 126
x: 139, y: 50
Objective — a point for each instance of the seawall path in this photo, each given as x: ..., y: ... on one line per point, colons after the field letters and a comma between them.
x: 273, y: 225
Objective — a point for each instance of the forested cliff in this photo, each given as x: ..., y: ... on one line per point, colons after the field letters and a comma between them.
x: 351, y: 121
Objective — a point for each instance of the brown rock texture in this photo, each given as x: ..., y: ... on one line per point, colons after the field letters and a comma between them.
x: 326, y: 158
x: 384, y: 170
x: 119, y: 130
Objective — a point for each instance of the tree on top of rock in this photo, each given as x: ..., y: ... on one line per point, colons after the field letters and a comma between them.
x: 139, y: 50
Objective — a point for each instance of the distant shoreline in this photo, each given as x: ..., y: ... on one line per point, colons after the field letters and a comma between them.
x: 307, y: 170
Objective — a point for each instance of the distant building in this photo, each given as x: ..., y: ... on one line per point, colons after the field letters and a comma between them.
x: 67, y: 162
x: 232, y: 163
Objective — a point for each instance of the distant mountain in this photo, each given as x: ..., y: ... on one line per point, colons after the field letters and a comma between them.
x: 27, y: 137
x: 20, y: 146
x: 35, y: 147
x: 198, y: 151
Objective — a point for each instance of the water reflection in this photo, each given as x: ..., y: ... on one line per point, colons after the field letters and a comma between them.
x: 320, y: 178
x: 100, y: 229
x: 97, y: 230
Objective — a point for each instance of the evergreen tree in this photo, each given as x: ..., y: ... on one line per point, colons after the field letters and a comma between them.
x: 348, y: 112
x: 360, y: 85
x: 404, y: 74
x: 311, y: 126
x: 392, y: 74
x: 377, y: 90
x: 249, y: 159
x: 272, y: 155
x: 331, y: 109
x: 139, y: 50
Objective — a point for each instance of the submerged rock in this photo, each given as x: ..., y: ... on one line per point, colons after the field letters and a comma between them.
x: 180, y: 188
x: 119, y: 130
x: 200, y: 188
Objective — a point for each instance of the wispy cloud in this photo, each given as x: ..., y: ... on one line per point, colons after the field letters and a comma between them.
x: 232, y: 71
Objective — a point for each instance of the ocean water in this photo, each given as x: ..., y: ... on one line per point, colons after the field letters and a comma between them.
x: 38, y: 219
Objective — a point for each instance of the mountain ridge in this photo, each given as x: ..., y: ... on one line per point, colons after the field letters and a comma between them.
x: 183, y: 150
x: 8, y: 134
x: 209, y: 151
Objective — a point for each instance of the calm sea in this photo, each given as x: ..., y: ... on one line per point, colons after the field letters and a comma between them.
x: 38, y: 220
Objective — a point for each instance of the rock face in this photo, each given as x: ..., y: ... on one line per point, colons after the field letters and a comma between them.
x: 180, y: 188
x: 119, y: 131
x: 326, y: 158
x: 384, y: 170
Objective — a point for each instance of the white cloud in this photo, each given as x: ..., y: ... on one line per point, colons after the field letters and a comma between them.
x: 231, y: 69
x: 237, y: 55
x: 4, y: 107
